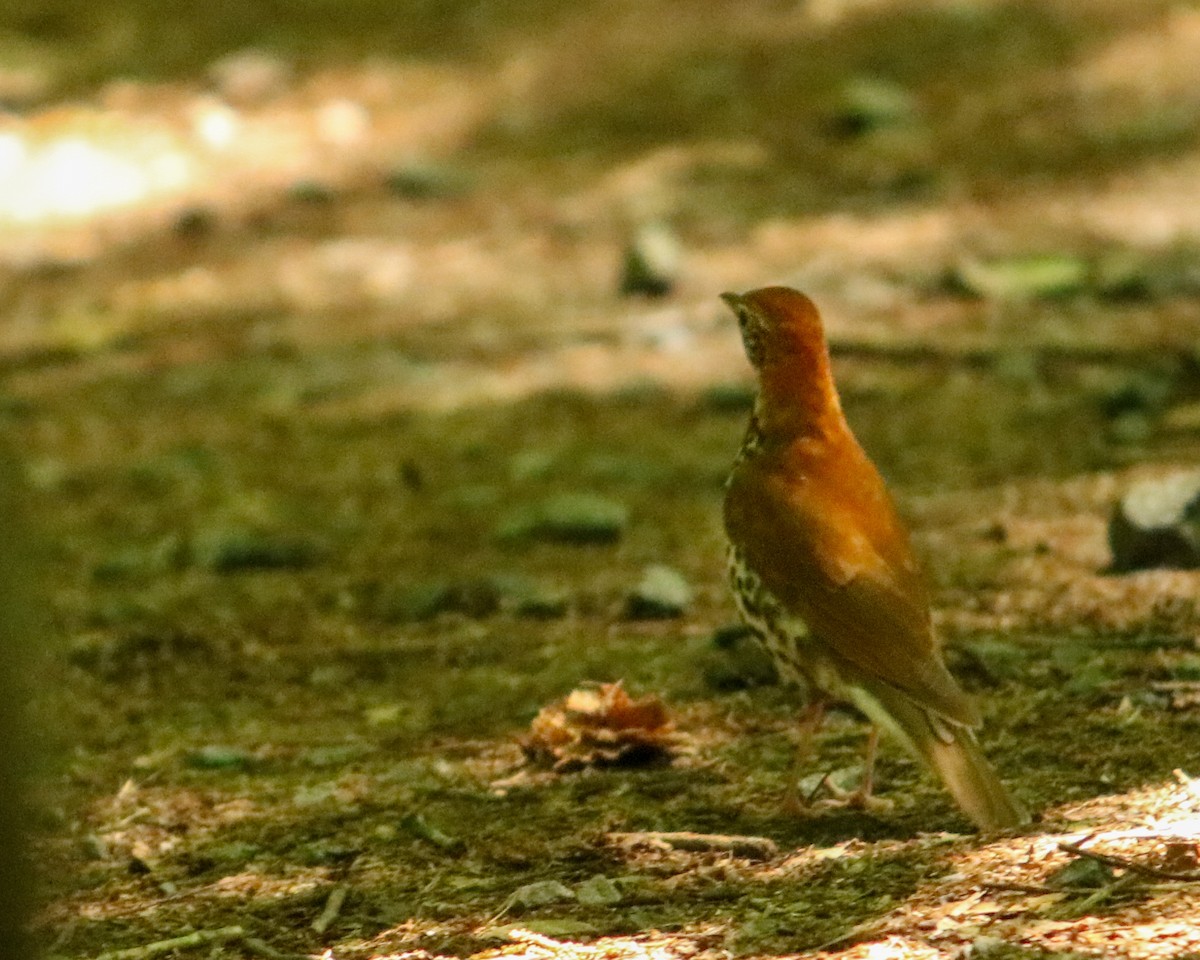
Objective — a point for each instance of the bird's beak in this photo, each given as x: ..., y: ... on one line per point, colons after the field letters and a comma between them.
x: 733, y: 299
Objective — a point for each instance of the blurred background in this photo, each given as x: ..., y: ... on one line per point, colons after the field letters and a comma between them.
x: 365, y: 366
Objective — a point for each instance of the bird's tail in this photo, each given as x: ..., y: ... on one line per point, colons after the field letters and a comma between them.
x: 952, y: 751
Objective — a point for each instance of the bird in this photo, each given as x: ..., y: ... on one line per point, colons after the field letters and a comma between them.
x: 823, y: 570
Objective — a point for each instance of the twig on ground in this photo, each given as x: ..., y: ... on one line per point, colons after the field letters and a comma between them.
x: 260, y: 948
x: 1025, y: 888
x: 197, y: 939
x: 333, y: 906
x: 752, y: 848
x: 1134, y: 866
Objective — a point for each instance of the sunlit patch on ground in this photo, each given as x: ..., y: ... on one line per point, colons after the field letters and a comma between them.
x: 75, y: 181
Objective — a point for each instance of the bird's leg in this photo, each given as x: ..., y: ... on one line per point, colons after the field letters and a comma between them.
x: 811, y: 719
x: 862, y: 797
x: 868, y: 780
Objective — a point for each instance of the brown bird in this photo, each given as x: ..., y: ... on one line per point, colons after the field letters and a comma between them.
x: 823, y: 570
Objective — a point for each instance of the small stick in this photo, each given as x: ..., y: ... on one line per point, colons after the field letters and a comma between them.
x: 197, y: 939
x: 752, y: 848
x: 333, y: 906
x: 1025, y: 888
x: 1111, y: 860
x: 261, y: 948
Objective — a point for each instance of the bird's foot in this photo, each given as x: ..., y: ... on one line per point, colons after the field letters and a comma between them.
x: 798, y: 803
x: 860, y: 798
x: 866, y: 802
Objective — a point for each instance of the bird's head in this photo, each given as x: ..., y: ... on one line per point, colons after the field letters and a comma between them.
x: 778, y: 324
x: 785, y: 342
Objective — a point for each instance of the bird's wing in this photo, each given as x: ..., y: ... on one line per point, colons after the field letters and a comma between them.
x: 860, y: 593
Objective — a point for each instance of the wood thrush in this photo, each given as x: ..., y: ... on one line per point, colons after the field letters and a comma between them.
x: 823, y: 570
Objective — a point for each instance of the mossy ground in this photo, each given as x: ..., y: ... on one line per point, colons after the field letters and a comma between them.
x: 238, y: 738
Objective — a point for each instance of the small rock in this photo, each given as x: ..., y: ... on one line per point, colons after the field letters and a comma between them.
x: 1022, y: 278
x: 417, y: 826
x: 1145, y: 392
x: 140, y: 561
x: 1130, y: 428
x: 312, y: 192
x: 410, y: 604
x: 728, y: 398
x: 426, y: 181
x: 599, y: 891
x: 384, y: 714
x: 139, y: 866
x: 214, y: 757
x: 477, y: 598
x: 736, y: 660
x: 514, y: 590
x: 194, y: 222
x: 984, y: 946
x: 94, y: 847
x: 576, y: 518
x: 870, y: 103
x: 542, y: 893
x: 730, y: 636
x: 534, y: 464
x: 413, y: 603
x: 229, y: 549
x: 540, y: 603
x: 48, y: 475
x: 662, y: 593
x: 412, y: 476
x: 1123, y: 275
x: 250, y: 77
x: 1157, y: 524
x: 1082, y: 873
x: 652, y: 262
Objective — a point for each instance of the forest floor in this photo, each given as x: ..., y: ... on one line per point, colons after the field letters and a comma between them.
x: 294, y: 421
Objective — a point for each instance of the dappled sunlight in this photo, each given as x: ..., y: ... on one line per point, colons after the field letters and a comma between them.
x: 72, y: 177
x: 1014, y: 889
x: 985, y: 893
x: 77, y: 181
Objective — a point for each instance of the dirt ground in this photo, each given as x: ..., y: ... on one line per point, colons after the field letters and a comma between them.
x: 294, y: 416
